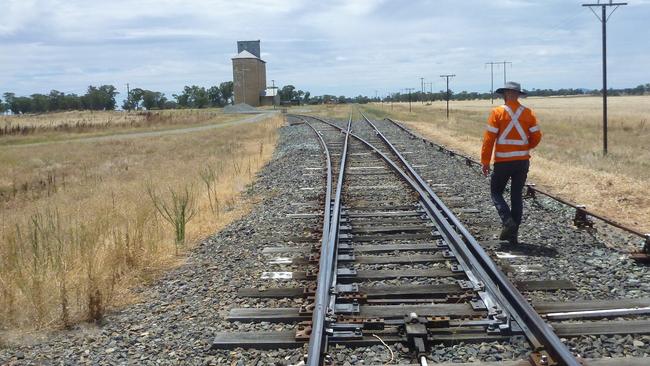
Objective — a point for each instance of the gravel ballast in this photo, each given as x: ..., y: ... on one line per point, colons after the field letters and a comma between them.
x: 183, y: 310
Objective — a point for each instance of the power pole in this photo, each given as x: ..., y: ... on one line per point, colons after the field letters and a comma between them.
x: 422, y: 90
x: 447, y: 76
x: 275, y: 92
x: 409, y: 91
x: 504, y: 63
x: 604, y: 17
x: 128, y: 98
x: 504, y: 70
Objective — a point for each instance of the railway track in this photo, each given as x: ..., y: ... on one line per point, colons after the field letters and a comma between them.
x: 395, y: 265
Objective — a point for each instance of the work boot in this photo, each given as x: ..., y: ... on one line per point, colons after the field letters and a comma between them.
x: 509, y: 228
x: 514, y: 238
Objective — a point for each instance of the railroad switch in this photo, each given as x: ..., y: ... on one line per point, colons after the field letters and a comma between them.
x: 477, y: 305
x: 581, y: 220
x: 346, y: 258
x: 417, y: 335
x: 352, y: 297
x: 345, y: 272
x: 448, y: 254
x: 347, y: 288
x: 341, y: 331
x: 459, y: 298
x: 366, y: 323
x: 347, y: 308
x: 541, y: 358
x: 455, y: 268
x: 438, y: 321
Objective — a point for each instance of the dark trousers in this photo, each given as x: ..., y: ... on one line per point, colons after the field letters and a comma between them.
x: 516, y: 172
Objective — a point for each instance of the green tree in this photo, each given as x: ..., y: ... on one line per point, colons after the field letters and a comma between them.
x: 288, y: 92
x: 214, y: 96
x: 152, y: 99
x: 21, y: 105
x: 9, y: 97
x: 226, y: 89
x: 102, y: 98
x: 72, y: 102
x: 55, y: 100
x: 40, y: 103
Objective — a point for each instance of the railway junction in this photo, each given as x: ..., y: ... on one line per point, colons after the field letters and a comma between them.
x: 405, y: 255
x: 369, y: 245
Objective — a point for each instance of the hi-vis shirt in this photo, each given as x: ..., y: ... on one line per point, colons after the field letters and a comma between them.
x: 514, y: 129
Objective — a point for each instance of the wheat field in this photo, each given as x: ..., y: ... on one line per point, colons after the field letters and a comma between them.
x: 57, y: 126
x: 81, y: 222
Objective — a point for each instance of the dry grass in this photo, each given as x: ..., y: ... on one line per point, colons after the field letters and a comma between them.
x: 569, y: 160
x: 64, y: 125
x: 83, y: 230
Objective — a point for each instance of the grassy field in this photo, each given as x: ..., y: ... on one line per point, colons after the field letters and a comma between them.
x: 569, y: 161
x: 48, y: 127
x: 83, y: 222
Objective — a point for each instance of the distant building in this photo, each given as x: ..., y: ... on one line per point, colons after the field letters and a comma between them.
x: 249, y: 76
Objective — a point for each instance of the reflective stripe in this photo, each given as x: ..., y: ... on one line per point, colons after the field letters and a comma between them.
x: 514, y: 123
x: 510, y: 154
x: 492, y: 129
x: 534, y: 129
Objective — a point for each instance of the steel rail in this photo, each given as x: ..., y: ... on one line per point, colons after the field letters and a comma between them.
x: 516, y: 302
x: 318, y: 339
x: 471, y: 161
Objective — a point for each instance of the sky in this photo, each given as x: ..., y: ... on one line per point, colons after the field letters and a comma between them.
x: 340, y: 47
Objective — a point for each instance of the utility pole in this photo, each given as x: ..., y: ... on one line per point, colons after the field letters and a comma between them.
x: 410, y: 90
x: 422, y: 90
x: 275, y: 92
x: 128, y: 98
x: 504, y: 63
x: 447, y: 76
x: 604, y: 17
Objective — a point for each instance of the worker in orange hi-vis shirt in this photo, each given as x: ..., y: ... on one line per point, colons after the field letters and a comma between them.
x: 512, y: 131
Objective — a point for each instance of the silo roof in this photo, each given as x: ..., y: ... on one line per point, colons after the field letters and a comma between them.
x: 246, y: 54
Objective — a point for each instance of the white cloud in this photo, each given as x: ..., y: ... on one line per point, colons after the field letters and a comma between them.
x: 337, y: 47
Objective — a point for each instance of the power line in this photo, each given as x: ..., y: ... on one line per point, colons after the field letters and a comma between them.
x: 492, y: 63
x: 604, y: 17
x: 447, y: 76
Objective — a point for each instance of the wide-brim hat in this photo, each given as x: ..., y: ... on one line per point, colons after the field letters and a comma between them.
x: 511, y: 85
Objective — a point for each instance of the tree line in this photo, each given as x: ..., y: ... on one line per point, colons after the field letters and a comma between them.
x: 465, y: 95
x: 103, y: 98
